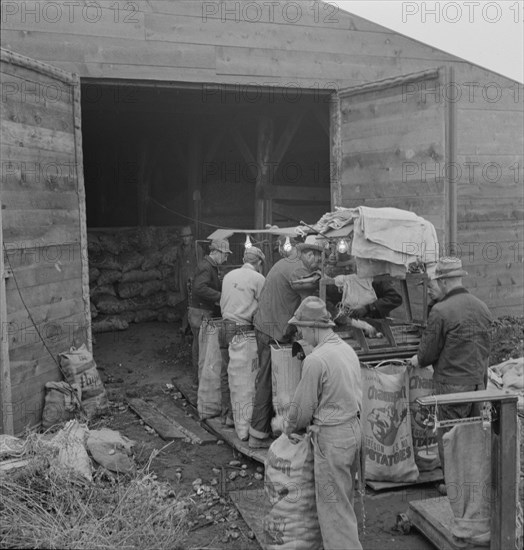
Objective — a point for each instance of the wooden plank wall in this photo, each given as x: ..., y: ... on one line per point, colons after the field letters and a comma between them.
x: 490, y: 191
x: 41, y: 232
x: 225, y: 42
x: 386, y: 136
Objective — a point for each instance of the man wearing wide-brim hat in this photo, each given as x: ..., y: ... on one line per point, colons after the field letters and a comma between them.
x: 327, y: 402
x: 289, y: 281
x: 456, y: 341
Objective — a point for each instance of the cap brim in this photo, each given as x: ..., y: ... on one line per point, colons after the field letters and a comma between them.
x: 451, y: 274
x: 304, y: 246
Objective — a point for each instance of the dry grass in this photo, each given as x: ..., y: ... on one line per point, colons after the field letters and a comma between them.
x: 40, y: 508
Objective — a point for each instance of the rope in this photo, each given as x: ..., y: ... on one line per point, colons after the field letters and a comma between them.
x: 38, y: 332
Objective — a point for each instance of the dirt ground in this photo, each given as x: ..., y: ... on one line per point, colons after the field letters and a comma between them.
x: 139, y: 362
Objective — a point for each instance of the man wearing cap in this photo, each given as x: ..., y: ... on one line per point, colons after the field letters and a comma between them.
x: 188, y: 258
x: 205, y: 295
x: 456, y: 342
x: 241, y: 290
x: 327, y: 402
x: 289, y: 280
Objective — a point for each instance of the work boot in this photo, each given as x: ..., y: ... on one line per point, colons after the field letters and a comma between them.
x: 257, y: 443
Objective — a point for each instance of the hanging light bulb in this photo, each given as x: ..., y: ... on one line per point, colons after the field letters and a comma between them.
x: 342, y: 246
x: 287, y: 245
x: 248, y: 242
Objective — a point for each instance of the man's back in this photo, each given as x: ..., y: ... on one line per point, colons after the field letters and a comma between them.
x: 241, y: 290
x: 278, y: 300
x: 457, y: 339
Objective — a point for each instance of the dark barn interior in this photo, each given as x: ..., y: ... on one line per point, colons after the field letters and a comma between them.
x: 158, y: 155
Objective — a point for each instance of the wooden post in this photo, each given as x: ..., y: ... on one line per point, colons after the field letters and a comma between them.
x: 504, y: 479
x: 451, y: 183
x: 79, y: 162
x: 195, y: 174
x: 263, y: 214
x: 335, y: 147
x: 143, y: 183
x: 5, y: 368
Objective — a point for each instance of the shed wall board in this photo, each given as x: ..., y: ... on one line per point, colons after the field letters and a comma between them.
x: 41, y: 225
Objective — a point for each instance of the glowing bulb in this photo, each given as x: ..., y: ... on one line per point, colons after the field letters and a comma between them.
x: 248, y: 242
x: 342, y: 246
x: 287, y: 245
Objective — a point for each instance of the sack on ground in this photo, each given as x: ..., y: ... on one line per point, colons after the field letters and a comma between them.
x: 61, y: 402
x: 109, y: 324
x: 424, y: 439
x: 286, y: 371
x: 386, y: 424
x: 242, y: 371
x: 209, y: 395
x: 79, y: 368
x: 292, y: 521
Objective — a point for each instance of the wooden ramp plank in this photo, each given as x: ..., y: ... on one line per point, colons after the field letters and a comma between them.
x: 152, y: 417
x: 433, y: 518
x: 184, y: 386
x: 424, y: 477
x: 187, y: 425
x: 167, y: 427
x: 229, y: 435
x: 253, y: 506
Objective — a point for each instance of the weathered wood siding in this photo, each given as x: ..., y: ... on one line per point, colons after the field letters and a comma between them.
x: 386, y: 134
x: 43, y: 220
x: 490, y: 191
x: 246, y: 43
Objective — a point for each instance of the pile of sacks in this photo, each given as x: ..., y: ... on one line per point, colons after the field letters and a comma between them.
x: 133, y: 277
x: 74, y: 449
x: 82, y: 391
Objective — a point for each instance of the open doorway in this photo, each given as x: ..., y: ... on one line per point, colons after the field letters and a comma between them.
x: 167, y: 154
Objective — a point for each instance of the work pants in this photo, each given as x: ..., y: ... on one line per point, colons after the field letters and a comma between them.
x: 263, y: 403
x: 453, y: 412
x: 337, y: 452
x: 195, y: 317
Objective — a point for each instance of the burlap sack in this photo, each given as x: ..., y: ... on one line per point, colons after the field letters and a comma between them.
x: 386, y: 424
x: 286, y: 371
x: 242, y: 371
x: 467, y: 456
x: 79, y: 368
x: 209, y: 399
x: 292, y: 522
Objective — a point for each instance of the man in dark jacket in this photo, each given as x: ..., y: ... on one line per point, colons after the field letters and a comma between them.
x: 287, y: 283
x: 387, y: 300
x: 205, y: 295
x: 456, y: 342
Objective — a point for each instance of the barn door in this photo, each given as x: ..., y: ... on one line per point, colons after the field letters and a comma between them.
x: 44, y: 298
x: 388, y: 146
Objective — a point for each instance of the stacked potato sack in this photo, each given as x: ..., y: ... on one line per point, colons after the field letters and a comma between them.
x: 133, y: 277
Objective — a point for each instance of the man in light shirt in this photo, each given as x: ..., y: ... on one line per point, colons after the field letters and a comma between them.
x: 241, y: 290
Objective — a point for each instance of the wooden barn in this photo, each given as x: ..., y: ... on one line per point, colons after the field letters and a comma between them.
x: 118, y: 117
